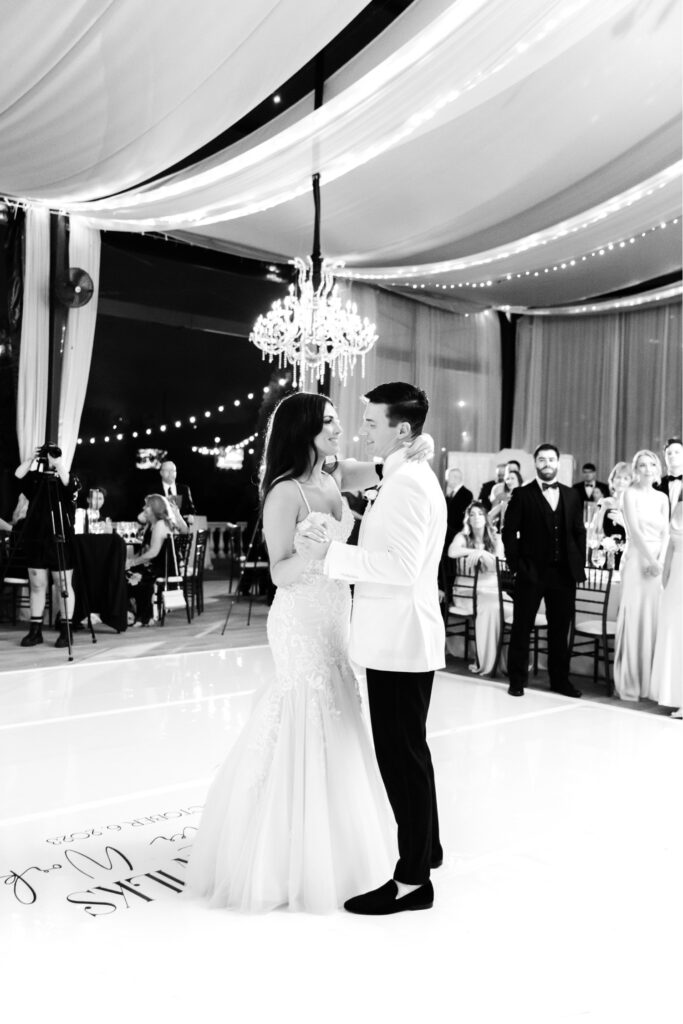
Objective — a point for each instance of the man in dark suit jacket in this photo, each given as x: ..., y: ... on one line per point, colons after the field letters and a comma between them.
x: 545, y: 545
x: 672, y: 483
x: 590, y: 488
x: 179, y: 494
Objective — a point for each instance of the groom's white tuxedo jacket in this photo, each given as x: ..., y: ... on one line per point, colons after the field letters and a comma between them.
x: 396, y: 623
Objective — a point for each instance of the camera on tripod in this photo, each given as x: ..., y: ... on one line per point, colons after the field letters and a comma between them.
x: 49, y: 449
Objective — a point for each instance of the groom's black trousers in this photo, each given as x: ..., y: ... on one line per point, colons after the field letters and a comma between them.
x: 399, y: 702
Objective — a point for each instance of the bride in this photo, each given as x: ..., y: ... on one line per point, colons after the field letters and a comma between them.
x: 297, y: 816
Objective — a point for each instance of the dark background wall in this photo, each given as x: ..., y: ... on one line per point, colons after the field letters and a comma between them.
x: 171, y: 341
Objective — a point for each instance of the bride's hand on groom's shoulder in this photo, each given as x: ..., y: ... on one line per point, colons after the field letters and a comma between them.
x: 420, y: 448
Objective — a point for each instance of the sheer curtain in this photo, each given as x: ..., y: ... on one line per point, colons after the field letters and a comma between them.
x: 455, y: 358
x: 601, y: 387
x: 84, y: 252
x: 35, y: 331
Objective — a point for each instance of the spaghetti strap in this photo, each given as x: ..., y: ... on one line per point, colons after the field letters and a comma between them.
x: 301, y: 490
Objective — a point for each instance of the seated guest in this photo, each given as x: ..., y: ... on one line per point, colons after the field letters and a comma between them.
x: 161, y: 519
x: 608, y: 520
x: 486, y: 488
x: 590, y: 488
x: 94, y: 504
x: 481, y: 545
x: 513, y: 479
x: 177, y: 494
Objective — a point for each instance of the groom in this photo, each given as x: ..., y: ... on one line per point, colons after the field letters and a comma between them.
x: 397, y: 633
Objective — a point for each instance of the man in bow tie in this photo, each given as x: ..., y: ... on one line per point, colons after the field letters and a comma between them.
x: 545, y: 545
x: 590, y: 488
x: 672, y: 483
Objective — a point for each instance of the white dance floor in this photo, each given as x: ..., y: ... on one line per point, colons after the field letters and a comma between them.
x: 560, y: 898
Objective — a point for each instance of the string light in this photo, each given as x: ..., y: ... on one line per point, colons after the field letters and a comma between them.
x: 607, y: 306
x: 670, y: 176
x: 613, y: 247
x: 121, y: 435
x: 225, y: 448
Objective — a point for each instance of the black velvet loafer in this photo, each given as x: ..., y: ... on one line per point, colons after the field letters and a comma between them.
x: 385, y: 900
x: 515, y: 691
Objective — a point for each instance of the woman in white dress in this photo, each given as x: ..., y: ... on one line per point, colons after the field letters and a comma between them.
x: 646, y: 515
x: 667, y: 673
x: 481, y: 545
x: 297, y: 816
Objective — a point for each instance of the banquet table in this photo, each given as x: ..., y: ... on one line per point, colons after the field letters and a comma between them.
x: 100, y: 579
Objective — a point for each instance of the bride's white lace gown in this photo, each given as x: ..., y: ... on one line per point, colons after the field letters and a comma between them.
x: 297, y: 816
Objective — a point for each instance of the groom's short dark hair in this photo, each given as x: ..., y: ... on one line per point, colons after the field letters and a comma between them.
x: 404, y: 402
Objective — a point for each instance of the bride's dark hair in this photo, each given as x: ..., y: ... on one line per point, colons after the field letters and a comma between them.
x: 289, y: 450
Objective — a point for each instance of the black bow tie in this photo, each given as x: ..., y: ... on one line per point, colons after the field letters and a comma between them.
x: 549, y: 487
x: 675, y: 478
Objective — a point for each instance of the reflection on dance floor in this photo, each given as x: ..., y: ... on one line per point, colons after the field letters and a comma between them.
x: 561, y: 829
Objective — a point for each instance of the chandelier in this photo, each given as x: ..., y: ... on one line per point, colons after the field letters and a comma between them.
x: 311, y: 329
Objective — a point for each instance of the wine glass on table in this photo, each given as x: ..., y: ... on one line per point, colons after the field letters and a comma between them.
x: 598, y: 557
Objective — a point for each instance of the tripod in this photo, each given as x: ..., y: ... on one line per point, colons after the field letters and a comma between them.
x: 248, y: 563
x: 46, y: 498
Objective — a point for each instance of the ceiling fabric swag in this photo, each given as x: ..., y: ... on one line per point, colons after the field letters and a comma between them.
x: 105, y: 94
x: 493, y: 45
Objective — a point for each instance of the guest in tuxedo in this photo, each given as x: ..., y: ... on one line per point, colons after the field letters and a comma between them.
x: 545, y: 545
x: 177, y: 494
x: 458, y: 499
x: 672, y: 482
x: 486, y: 488
x: 590, y: 488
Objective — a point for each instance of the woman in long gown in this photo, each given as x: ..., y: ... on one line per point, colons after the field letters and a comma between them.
x: 667, y: 675
x: 646, y: 515
x: 297, y: 816
x: 481, y: 545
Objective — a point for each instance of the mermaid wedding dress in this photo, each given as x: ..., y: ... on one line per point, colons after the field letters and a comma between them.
x: 297, y: 816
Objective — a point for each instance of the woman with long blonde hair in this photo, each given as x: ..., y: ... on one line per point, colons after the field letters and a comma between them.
x: 646, y: 517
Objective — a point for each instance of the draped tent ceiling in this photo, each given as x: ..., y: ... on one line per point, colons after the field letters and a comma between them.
x: 482, y: 153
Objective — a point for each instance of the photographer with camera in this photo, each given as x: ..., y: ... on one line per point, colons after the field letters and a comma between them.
x: 49, y: 488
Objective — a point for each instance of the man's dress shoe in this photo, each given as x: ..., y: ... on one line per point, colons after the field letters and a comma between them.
x: 516, y: 691
x: 567, y: 691
x: 385, y: 900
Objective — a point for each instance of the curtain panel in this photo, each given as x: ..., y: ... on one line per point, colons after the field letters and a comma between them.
x: 35, y: 331
x: 97, y: 96
x: 84, y: 252
x: 454, y: 358
x: 600, y: 387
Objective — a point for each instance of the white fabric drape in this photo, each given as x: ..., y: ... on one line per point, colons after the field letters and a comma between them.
x: 454, y: 358
x: 84, y: 252
x: 35, y: 331
x: 99, y: 95
x: 600, y: 387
